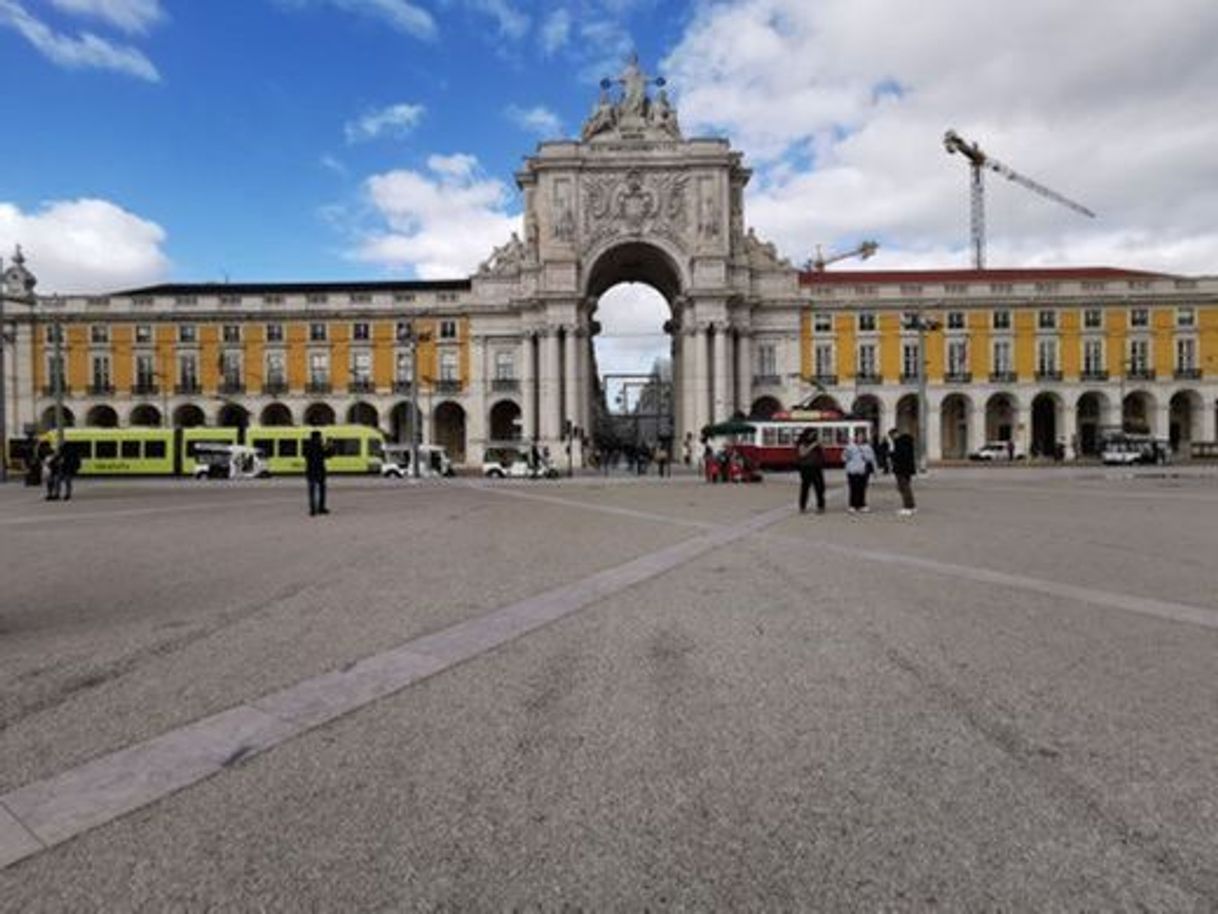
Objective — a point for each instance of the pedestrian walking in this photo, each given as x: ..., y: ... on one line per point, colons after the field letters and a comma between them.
x: 315, y: 453
x: 860, y: 464
x: 811, y: 458
x: 69, y: 466
x: 904, y: 468
x: 50, y: 472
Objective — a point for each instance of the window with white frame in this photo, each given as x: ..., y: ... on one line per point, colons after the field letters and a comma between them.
x: 319, y: 368
x: 1186, y: 316
x: 448, y: 330
x: 99, y: 333
x: 822, y: 323
x: 1046, y: 320
x: 867, y: 360
x: 276, y: 373
x: 101, y: 372
x: 143, y: 333
x: 1186, y: 354
x: 909, y: 360
x: 55, y: 373
x: 1001, y: 360
x: 1046, y: 357
x: 867, y: 322
x: 403, y: 368
x: 1139, y: 317
x: 53, y: 331
x: 957, y: 358
x: 187, y: 333
x: 274, y: 333
x: 145, y: 372
x: 232, y: 333
x: 1139, y: 357
x: 317, y: 333
x: 188, y: 372
x: 361, y: 367
x: 448, y: 366
x: 403, y: 331
x: 1093, y: 357
x: 767, y: 360
x: 505, y: 365
x: 361, y: 331
x: 1093, y: 319
x: 823, y: 360
x: 230, y: 368
x: 955, y: 320
x: 1001, y: 320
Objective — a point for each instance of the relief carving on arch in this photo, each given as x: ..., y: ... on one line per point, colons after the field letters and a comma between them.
x: 634, y: 205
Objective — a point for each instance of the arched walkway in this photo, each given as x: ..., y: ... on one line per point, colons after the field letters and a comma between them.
x: 764, y: 408
x: 1046, y: 425
x: 1185, y: 412
x: 188, y: 415
x: 48, y: 418
x: 146, y: 415
x: 101, y: 416
x: 275, y: 414
x: 1091, y: 418
x: 233, y: 415
x: 362, y: 413
x: 319, y: 414
x: 1001, y: 417
x: 869, y: 407
x: 907, y: 416
x: 825, y: 403
x: 449, y: 428
x: 400, y: 424
x: 505, y: 421
x: 954, y: 415
x: 1137, y: 413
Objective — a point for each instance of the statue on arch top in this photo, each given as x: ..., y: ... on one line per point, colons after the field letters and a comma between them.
x: 634, y: 115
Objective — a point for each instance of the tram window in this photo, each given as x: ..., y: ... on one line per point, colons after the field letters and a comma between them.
x: 843, y: 436
x: 784, y: 436
x: 346, y: 447
x: 814, y: 434
x: 154, y: 450
x: 769, y: 436
x: 289, y: 447
x: 266, y: 445
x: 105, y: 450
x: 130, y: 450
x: 83, y: 449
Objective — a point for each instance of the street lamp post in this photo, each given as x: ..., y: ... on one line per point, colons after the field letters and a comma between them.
x: 922, y: 324
x: 413, y: 339
x: 18, y: 287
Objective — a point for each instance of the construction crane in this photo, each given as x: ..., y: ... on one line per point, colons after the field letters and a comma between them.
x: 978, y: 160
x: 820, y: 261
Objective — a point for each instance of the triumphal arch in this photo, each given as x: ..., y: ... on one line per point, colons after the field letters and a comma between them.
x: 632, y: 200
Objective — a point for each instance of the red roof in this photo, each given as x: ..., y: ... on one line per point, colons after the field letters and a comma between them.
x: 914, y: 277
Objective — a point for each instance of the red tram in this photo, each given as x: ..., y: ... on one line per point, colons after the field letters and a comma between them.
x: 769, y: 444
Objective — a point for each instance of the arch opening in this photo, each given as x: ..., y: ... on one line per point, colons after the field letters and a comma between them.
x: 361, y: 413
x: 505, y: 421
x: 188, y: 415
x: 275, y: 414
x: 146, y: 416
x: 319, y: 414
x: 954, y: 415
x: 449, y: 429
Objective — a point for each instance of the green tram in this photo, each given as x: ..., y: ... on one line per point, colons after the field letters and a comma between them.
x: 171, y: 452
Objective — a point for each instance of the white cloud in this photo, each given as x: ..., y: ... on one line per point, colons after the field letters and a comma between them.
x: 133, y: 16
x: 398, y: 14
x: 512, y: 22
x: 632, y: 336
x: 395, y: 120
x: 539, y: 120
x: 85, y: 51
x: 841, y: 107
x: 334, y: 164
x: 85, y: 245
x: 555, y: 31
x: 440, y: 223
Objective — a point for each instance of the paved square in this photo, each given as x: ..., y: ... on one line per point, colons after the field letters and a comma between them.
x: 627, y: 693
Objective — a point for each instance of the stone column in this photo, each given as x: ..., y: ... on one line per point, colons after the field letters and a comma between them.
x: 1206, y: 425
x: 583, y: 366
x: 528, y: 387
x: 549, y: 405
x: 1160, y: 419
x: 701, y: 376
x: 1068, y: 430
x: 721, y: 372
x: 570, y: 411
x: 976, y: 426
x: 934, y: 427
x: 477, y: 421
x: 744, y: 371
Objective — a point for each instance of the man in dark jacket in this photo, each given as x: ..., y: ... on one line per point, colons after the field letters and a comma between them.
x: 904, y: 468
x: 69, y: 466
x: 811, y: 458
x: 315, y: 454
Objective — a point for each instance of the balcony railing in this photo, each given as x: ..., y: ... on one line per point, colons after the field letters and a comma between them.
x: 362, y: 386
x: 1141, y: 374
x: 1002, y: 377
x: 232, y: 387
x: 1093, y: 374
x: 824, y: 380
x: 401, y: 387
x: 318, y: 387
x: 275, y: 388
x: 505, y: 385
x: 101, y: 390
x: 959, y: 377
x: 448, y: 386
x: 1188, y: 374
x: 146, y: 389
x: 187, y: 388
x: 48, y: 390
x: 907, y: 378
x: 866, y: 377
x: 1054, y: 375
x: 766, y: 380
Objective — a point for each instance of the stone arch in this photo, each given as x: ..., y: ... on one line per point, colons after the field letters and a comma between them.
x: 233, y: 415
x: 825, y: 402
x: 363, y: 413
x: 48, y: 418
x: 1138, y: 412
x: 1184, y: 414
x: 1091, y: 417
x: 189, y: 415
x: 400, y: 424
x: 955, y: 416
x: 653, y: 262
x: 1047, y: 431
x: 145, y: 415
x: 764, y: 408
x: 1001, y: 417
x: 907, y: 415
x: 448, y: 427
x: 319, y: 414
x: 505, y: 422
x: 871, y: 408
x: 275, y: 414
x: 101, y: 416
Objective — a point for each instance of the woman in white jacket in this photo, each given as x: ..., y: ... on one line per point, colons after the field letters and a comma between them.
x: 860, y: 464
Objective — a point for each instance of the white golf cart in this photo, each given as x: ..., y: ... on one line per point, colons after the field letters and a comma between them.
x: 517, y: 461
x: 229, y: 461
x: 433, y: 461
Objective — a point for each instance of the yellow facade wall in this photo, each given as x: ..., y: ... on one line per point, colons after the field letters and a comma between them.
x: 1024, y: 356
x: 1069, y: 347
x: 847, y: 363
x: 463, y: 353
x: 39, y: 361
x: 1115, y: 323
x: 166, y: 336
x: 1207, y: 341
x: 978, y: 323
x: 806, y: 366
x: 122, y: 367
x: 428, y: 363
x: 209, y: 357
x: 936, y: 348
x: 296, y: 335
x: 76, y: 341
x: 1163, y: 323
x: 382, y: 354
x: 253, y: 346
x: 888, y: 359
x: 339, y: 334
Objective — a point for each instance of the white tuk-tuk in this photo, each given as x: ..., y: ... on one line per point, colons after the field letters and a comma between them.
x: 229, y: 461
x: 433, y: 461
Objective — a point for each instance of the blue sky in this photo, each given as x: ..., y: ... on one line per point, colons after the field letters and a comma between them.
x: 147, y: 140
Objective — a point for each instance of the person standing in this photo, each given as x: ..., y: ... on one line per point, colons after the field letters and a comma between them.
x: 69, y: 466
x: 882, y: 454
x: 662, y: 466
x: 860, y: 464
x: 811, y: 459
x: 315, y: 454
x: 51, y: 465
x: 904, y: 468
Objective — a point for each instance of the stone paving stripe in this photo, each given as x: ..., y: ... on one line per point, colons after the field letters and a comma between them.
x: 65, y: 513
x: 1160, y: 609
x: 16, y: 841
x: 502, y: 489
x: 82, y: 798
